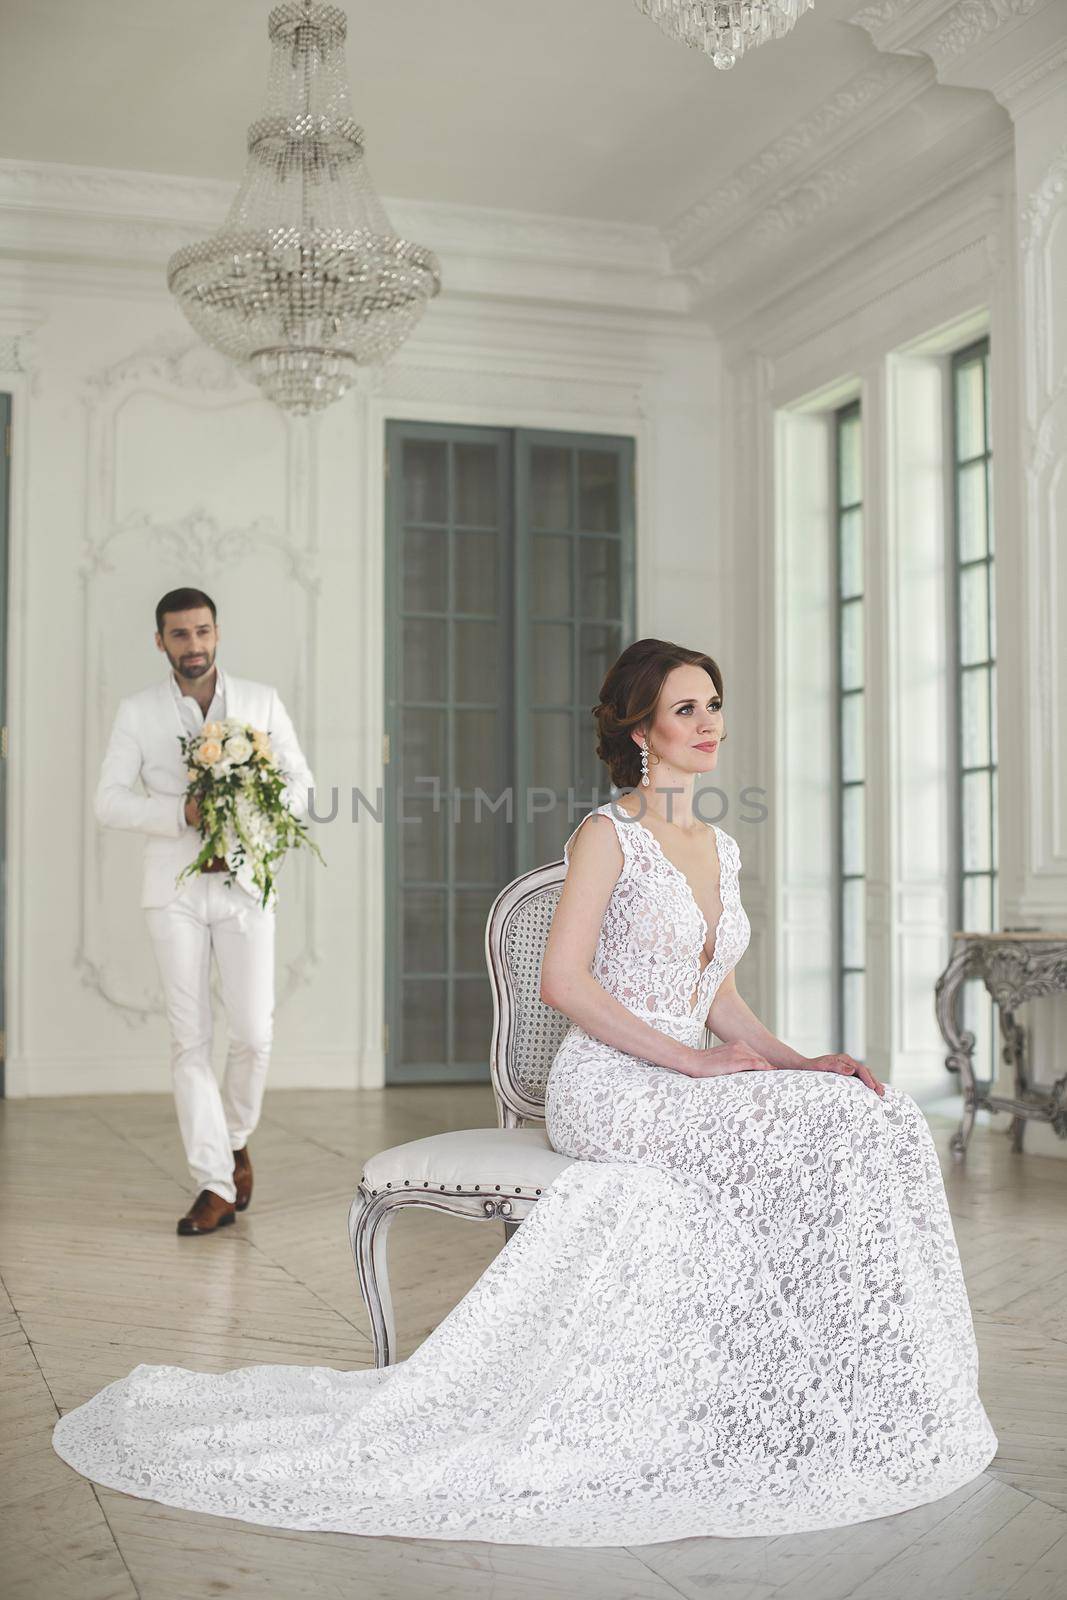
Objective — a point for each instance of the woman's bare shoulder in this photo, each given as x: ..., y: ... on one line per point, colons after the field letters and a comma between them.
x: 594, y: 840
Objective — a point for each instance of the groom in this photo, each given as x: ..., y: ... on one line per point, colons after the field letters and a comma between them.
x: 206, y: 913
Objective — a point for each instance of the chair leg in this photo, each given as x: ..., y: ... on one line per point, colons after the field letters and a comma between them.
x: 509, y: 1229
x: 369, y: 1220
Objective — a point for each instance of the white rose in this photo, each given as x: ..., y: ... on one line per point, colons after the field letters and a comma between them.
x: 238, y: 748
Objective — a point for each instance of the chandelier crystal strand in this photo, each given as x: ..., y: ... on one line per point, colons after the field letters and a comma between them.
x: 725, y: 29
x: 306, y: 280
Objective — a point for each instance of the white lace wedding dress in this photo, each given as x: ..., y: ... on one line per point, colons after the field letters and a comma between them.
x: 741, y: 1311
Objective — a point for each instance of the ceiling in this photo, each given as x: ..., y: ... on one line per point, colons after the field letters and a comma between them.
x: 571, y: 107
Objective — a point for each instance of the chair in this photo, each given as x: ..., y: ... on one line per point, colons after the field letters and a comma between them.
x: 482, y: 1174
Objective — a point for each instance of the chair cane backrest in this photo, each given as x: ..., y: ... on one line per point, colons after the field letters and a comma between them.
x: 526, y: 1031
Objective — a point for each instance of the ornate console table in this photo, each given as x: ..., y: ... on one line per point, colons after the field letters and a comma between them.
x: 1014, y: 967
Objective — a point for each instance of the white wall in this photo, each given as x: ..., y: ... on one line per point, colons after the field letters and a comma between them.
x: 141, y: 462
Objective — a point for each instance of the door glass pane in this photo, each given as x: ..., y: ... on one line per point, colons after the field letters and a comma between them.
x: 425, y: 570
x: 475, y: 485
x: 592, y: 772
x: 599, y: 578
x: 477, y: 746
x: 472, y: 1022
x: 425, y: 475
x: 599, y: 647
x: 422, y: 1021
x: 551, y: 677
x: 421, y: 832
x: 550, y: 487
x: 598, y: 491
x: 476, y: 659
x: 424, y: 662
x: 480, y: 840
x: 476, y: 571
x: 423, y: 747
x: 424, y: 930
x: 550, y: 576
x: 550, y: 828
x: 471, y: 909
x: 551, y: 749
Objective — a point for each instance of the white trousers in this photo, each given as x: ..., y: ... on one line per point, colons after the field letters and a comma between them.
x: 206, y: 916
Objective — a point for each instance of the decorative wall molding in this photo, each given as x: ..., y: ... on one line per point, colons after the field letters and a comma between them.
x: 1044, y: 276
x: 198, y: 541
x: 173, y: 363
x: 18, y: 325
x: 1049, y: 194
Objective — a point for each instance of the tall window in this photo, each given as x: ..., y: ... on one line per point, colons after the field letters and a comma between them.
x: 977, y: 908
x: 851, y: 770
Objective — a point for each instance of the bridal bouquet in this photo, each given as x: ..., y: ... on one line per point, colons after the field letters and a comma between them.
x: 238, y: 786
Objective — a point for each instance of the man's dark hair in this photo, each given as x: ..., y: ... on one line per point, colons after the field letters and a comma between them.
x: 183, y: 600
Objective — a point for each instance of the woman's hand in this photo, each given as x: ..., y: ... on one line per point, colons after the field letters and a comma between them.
x: 845, y: 1064
x: 723, y: 1059
x: 192, y: 812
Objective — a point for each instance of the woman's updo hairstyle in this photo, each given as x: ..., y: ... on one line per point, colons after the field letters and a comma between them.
x: 628, y: 699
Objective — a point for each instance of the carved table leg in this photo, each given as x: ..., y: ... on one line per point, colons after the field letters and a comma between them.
x: 960, y: 1044
x: 1014, y: 1037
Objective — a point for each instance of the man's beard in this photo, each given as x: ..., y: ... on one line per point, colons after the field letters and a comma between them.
x: 192, y: 669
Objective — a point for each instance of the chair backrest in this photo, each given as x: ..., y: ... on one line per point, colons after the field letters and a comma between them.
x: 526, y: 1031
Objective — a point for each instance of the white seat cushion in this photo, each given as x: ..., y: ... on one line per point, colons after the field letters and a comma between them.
x: 511, y: 1160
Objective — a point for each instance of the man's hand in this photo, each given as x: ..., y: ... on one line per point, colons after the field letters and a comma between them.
x: 845, y: 1064
x: 192, y: 813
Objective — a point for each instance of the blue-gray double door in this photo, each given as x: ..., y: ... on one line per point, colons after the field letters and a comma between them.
x: 509, y: 593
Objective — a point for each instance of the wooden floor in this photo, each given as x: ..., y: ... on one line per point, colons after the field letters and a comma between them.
x: 95, y: 1280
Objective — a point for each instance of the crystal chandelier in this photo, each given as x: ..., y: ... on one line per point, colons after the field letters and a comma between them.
x: 725, y: 29
x: 306, y: 280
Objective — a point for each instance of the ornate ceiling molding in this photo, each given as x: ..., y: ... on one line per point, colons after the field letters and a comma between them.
x: 941, y: 29
x: 1009, y: 47
x: 782, y: 167
x: 137, y: 219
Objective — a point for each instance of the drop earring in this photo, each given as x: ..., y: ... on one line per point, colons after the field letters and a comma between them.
x: 644, y: 764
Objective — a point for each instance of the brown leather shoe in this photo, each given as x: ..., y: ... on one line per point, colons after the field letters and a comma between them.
x: 207, y: 1212
x: 242, y: 1177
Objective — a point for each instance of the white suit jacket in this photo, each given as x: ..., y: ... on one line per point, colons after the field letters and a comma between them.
x: 144, y: 749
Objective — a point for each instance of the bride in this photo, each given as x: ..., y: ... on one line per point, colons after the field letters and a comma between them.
x: 740, y: 1311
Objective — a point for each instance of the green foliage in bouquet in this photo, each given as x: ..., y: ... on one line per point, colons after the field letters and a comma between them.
x: 238, y: 786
